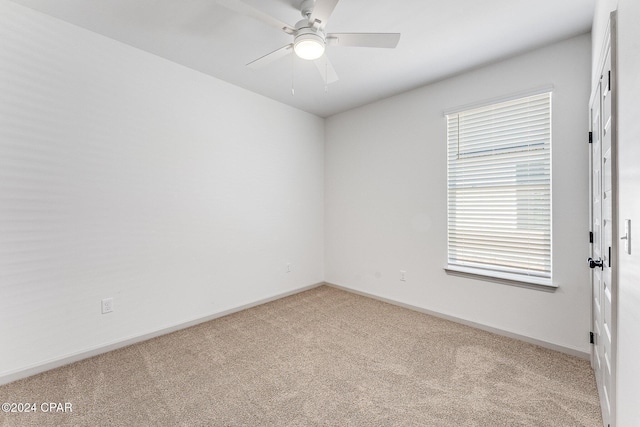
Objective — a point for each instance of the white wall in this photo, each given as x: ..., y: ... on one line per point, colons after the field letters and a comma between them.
x: 385, y: 199
x: 628, y: 387
x: 124, y: 175
x: 628, y: 369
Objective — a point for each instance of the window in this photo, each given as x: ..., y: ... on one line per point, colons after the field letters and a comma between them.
x: 499, y: 190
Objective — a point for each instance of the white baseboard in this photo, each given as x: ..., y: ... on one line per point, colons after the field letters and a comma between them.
x: 9, y: 377
x: 552, y: 346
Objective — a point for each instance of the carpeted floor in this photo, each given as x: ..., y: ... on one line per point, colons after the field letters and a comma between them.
x: 321, y: 357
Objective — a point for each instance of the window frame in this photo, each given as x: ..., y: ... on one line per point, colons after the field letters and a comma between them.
x: 502, y: 275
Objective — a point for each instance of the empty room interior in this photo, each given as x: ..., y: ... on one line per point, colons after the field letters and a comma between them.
x: 319, y: 212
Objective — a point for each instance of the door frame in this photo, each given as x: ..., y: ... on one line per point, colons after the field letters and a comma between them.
x: 610, y: 43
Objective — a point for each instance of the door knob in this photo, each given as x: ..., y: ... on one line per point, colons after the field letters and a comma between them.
x: 595, y: 263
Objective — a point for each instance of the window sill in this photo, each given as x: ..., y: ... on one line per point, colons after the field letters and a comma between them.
x: 504, y: 278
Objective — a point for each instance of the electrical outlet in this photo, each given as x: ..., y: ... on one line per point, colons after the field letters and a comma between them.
x: 107, y: 305
x: 403, y: 276
x: 289, y: 268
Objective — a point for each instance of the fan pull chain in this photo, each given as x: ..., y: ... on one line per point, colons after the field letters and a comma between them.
x: 326, y: 76
x: 293, y: 74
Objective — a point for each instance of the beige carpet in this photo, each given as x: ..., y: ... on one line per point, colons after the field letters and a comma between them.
x: 321, y: 357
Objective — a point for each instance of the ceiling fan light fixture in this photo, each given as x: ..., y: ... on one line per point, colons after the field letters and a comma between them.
x: 309, y: 45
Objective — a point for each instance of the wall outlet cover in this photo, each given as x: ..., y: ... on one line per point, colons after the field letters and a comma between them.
x: 107, y: 305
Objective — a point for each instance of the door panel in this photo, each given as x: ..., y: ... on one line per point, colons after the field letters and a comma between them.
x: 602, y: 215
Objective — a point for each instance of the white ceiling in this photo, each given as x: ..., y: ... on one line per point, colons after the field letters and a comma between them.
x: 439, y: 39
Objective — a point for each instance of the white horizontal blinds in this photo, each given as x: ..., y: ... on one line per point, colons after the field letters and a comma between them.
x: 499, y: 195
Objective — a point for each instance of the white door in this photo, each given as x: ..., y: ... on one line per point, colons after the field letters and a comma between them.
x: 603, y: 222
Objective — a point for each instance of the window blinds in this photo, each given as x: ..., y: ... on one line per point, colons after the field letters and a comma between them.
x: 499, y: 187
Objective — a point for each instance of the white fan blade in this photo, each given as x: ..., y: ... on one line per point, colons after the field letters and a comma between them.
x: 270, y: 57
x: 327, y: 71
x: 322, y: 11
x: 244, y: 9
x: 386, y: 40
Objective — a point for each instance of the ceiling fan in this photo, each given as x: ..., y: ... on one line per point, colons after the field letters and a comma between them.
x: 309, y: 37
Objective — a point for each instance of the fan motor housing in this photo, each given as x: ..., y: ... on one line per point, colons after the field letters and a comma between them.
x: 306, y: 31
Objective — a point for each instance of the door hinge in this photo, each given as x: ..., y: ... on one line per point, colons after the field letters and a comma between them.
x: 590, y: 137
x: 609, y: 83
x: 591, y: 237
x: 592, y: 339
x: 609, y: 257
